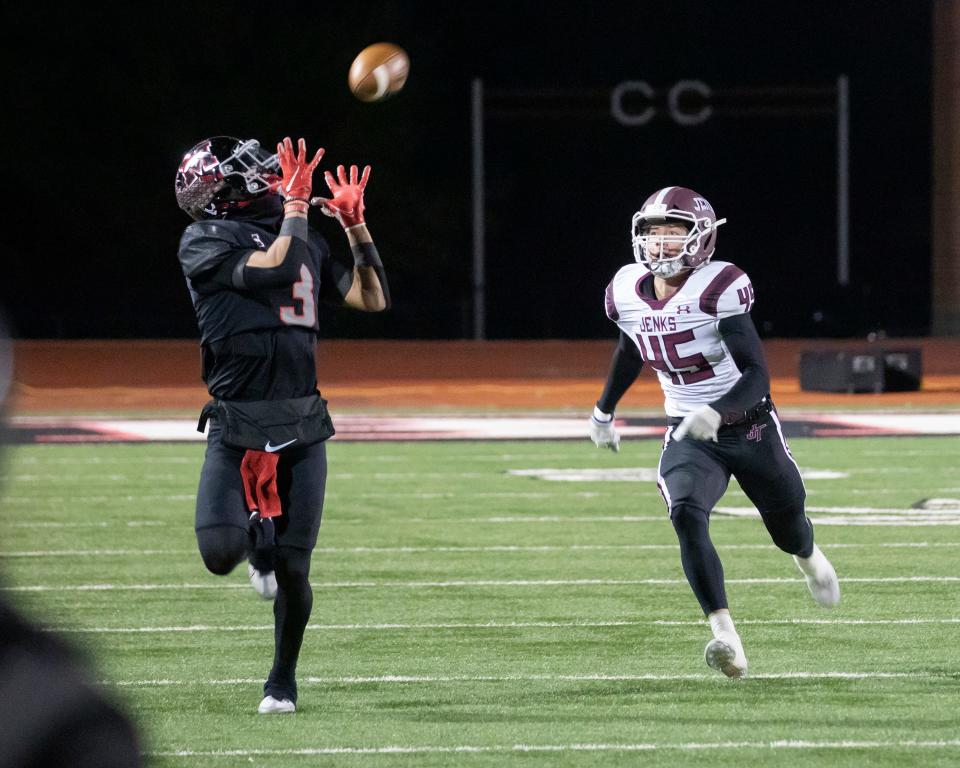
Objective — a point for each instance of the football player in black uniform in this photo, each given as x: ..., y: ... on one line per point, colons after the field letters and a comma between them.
x: 256, y: 273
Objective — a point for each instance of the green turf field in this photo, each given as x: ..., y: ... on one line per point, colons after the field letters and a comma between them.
x: 466, y: 616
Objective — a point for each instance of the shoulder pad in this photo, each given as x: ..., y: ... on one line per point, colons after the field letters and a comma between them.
x: 205, y: 244
x: 728, y: 292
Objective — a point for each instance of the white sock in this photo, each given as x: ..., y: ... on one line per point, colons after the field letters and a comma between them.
x: 813, y: 564
x: 721, y: 622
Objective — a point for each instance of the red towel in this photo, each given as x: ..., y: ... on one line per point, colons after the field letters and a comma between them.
x: 259, y: 472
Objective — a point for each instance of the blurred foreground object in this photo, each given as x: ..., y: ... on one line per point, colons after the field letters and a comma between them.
x: 51, y: 714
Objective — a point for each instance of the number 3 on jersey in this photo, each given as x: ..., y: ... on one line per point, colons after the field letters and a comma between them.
x: 302, y: 292
x: 661, y: 352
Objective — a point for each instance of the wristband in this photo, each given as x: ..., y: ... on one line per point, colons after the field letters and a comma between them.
x: 296, y: 200
x: 600, y: 416
x: 294, y: 226
x: 365, y: 255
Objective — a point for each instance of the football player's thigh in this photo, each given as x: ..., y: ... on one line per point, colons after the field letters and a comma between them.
x: 301, y: 482
x: 691, y: 472
x: 220, y: 497
x: 766, y: 471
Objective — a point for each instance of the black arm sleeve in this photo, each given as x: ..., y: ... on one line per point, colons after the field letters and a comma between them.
x: 746, y: 349
x: 335, y: 282
x: 286, y: 273
x: 625, y: 366
x: 365, y: 255
x: 339, y: 277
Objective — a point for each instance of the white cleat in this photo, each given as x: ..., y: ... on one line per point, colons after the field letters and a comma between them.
x: 272, y: 706
x: 265, y: 584
x: 725, y: 653
x: 821, y: 578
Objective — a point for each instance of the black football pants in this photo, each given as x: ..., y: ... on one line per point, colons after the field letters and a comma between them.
x: 222, y: 535
x: 693, y: 476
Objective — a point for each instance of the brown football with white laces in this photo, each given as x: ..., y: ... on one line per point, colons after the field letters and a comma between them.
x: 379, y: 71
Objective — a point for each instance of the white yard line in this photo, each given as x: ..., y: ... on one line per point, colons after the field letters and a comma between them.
x: 499, y: 549
x: 581, y: 678
x: 559, y: 748
x: 389, y: 627
x: 465, y: 583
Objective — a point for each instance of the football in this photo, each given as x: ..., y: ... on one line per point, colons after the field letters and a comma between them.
x: 380, y: 70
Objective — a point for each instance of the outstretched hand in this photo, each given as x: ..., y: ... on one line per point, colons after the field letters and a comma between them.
x: 604, y: 433
x: 346, y: 205
x: 297, y: 181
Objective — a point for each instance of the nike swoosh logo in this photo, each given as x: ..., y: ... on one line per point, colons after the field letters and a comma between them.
x: 274, y: 448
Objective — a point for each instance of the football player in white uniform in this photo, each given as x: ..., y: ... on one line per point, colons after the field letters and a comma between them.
x: 689, y: 318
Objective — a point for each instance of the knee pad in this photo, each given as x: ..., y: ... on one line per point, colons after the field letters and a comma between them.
x: 222, y: 547
x: 687, y: 518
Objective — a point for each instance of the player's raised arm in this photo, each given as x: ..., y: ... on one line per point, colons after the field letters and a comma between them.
x: 369, y: 291
x: 295, y: 186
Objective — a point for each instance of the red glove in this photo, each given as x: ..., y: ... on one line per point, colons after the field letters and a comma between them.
x: 347, y: 203
x: 297, y: 173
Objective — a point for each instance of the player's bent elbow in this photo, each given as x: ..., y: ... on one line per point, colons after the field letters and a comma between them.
x: 380, y: 305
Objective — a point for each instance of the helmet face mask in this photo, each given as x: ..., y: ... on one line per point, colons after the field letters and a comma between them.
x: 668, y: 254
x: 223, y: 174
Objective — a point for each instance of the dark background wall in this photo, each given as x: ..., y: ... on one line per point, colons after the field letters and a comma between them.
x: 103, y: 101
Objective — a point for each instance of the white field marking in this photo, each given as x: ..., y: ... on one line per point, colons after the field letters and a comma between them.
x: 88, y: 524
x: 917, y: 489
x: 191, y: 497
x: 98, y: 499
x: 499, y: 549
x: 518, y: 519
x: 100, y: 553
x: 885, y: 470
x: 200, y: 628
x: 467, y: 583
x: 104, y: 460
x: 830, y: 622
x: 406, y: 475
x: 586, y: 678
x: 469, y: 495
x: 635, y: 474
x: 891, y: 522
x: 60, y: 477
x: 368, y: 521
x: 861, y: 516
x: 940, y: 504
x: 559, y: 748
x: 853, y: 511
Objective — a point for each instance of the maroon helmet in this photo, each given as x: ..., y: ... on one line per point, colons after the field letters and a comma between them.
x: 223, y: 174
x: 682, y: 206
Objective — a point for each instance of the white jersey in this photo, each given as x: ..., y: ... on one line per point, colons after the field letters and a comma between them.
x: 678, y: 336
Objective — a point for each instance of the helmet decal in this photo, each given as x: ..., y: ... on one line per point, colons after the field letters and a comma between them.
x: 223, y: 174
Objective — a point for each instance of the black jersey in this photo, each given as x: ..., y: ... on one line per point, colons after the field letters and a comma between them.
x: 258, y: 326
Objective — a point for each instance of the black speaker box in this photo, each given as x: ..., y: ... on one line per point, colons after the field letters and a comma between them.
x: 849, y: 370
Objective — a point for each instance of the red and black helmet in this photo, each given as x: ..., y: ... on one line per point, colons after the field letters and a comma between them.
x: 222, y: 174
x: 683, y: 206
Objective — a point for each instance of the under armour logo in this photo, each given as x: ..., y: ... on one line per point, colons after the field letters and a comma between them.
x: 684, y: 308
x: 755, y: 432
